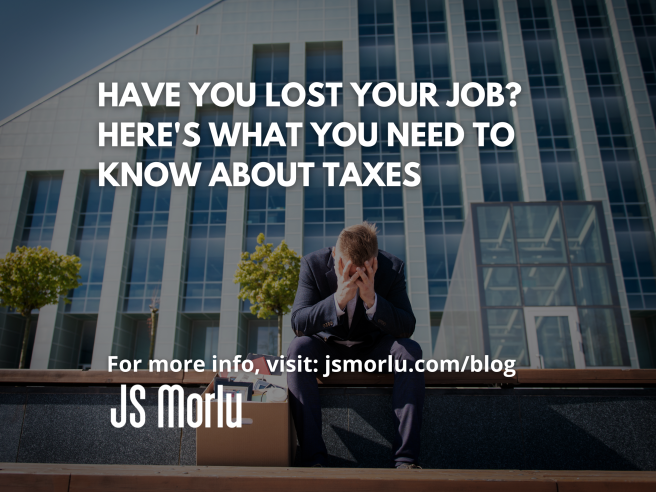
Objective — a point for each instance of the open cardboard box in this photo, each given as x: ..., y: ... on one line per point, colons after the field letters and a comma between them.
x: 266, y: 437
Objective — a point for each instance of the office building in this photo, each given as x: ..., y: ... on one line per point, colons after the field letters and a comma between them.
x: 585, y: 143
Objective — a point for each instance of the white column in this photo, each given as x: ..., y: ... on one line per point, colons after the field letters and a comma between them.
x: 470, y: 163
x: 526, y: 141
x: 637, y: 98
x: 60, y: 243
x: 413, y: 206
x: 116, y: 265
x: 169, y: 319
x: 294, y: 195
x: 234, y: 239
x: 351, y: 73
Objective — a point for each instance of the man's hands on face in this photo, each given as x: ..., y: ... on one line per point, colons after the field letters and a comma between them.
x: 346, y: 285
x: 365, y: 282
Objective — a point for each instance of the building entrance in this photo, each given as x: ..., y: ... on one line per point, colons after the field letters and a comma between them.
x: 553, y: 337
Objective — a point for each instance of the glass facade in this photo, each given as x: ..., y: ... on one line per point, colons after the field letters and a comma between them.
x: 381, y: 205
x: 263, y: 336
x: 91, y: 244
x: 643, y: 19
x: 522, y: 258
x: 266, y: 206
x: 499, y: 165
x: 323, y: 217
x: 207, y: 219
x: 204, y: 340
x: 547, y: 256
x: 150, y: 224
x: 560, y: 169
x: 440, y: 169
x: 633, y: 226
x: 41, y: 211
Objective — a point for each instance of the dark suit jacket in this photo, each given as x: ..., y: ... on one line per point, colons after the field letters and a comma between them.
x: 314, y: 311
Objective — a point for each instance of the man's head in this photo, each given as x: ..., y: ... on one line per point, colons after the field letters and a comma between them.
x: 358, y: 243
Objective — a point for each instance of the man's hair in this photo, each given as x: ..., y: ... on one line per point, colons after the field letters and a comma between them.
x: 359, y: 243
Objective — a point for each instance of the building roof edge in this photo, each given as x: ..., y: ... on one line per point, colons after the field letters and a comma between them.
x: 108, y: 62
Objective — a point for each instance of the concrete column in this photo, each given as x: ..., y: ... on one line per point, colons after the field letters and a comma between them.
x: 470, y: 162
x: 526, y: 141
x: 234, y: 238
x: 116, y: 265
x: 413, y: 206
x: 587, y: 147
x: 351, y: 73
x: 295, y: 194
x: 60, y: 243
x: 176, y: 235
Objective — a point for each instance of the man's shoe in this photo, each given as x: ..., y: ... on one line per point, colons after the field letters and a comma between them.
x: 408, y: 466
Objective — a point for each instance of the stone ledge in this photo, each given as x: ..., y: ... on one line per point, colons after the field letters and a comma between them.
x: 522, y: 378
x: 70, y: 478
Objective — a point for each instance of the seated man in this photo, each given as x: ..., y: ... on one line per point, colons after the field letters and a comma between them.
x: 352, y: 304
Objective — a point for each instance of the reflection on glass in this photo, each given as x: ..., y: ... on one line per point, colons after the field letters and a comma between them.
x: 507, y: 336
x: 539, y: 234
x: 592, y: 286
x: 501, y: 286
x: 495, y: 235
x: 547, y: 286
x: 554, y: 342
x: 601, y: 338
x: 204, y: 340
x: 263, y: 337
x: 583, y: 236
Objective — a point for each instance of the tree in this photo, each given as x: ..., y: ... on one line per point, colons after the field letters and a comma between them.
x: 31, y: 278
x: 269, y: 279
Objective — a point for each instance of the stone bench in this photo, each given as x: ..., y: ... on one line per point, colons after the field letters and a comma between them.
x: 471, y: 421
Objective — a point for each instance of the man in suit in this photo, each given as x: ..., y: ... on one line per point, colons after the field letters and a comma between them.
x: 352, y: 304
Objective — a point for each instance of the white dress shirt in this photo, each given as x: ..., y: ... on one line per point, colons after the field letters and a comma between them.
x: 350, y: 309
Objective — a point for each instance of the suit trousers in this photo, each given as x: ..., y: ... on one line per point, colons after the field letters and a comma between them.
x: 407, y: 397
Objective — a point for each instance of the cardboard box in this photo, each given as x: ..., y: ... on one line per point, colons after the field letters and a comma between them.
x: 266, y: 437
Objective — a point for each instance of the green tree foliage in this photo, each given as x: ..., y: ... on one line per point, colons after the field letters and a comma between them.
x: 31, y: 278
x: 269, y: 279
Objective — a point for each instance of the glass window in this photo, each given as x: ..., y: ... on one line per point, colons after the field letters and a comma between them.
x: 87, y: 338
x: 206, y: 232
x: 495, y: 235
x: 499, y: 167
x: 643, y: 18
x: 554, y: 342
x: 501, y: 286
x: 592, y: 286
x: 539, y: 234
x: 91, y: 244
x: 603, y: 337
x: 507, y: 335
x: 383, y: 206
x: 324, y: 205
x: 440, y: 173
x: 560, y: 168
x: 150, y: 224
x: 620, y: 162
x: 547, y: 286
x: 583, y: 234
x: 263, y: 337
x: 204, y: 340
x: 41, y: 211
x: 266, y: 206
